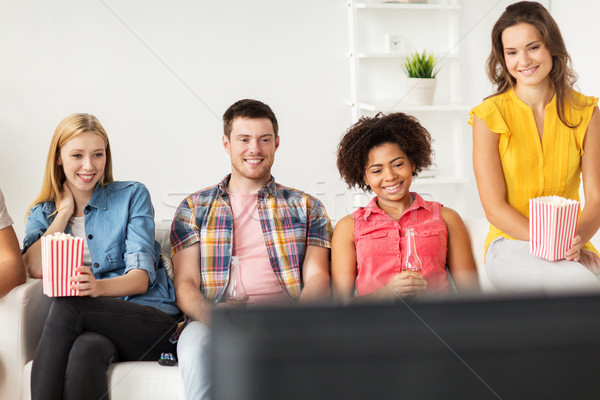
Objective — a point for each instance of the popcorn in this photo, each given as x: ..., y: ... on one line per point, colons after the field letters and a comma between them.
x: 552, y: 226
x: 62, y: 254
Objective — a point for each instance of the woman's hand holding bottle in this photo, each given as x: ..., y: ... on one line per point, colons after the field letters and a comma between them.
x: 406, y: 284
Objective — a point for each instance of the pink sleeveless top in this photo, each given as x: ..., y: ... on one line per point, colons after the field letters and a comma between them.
x: 380, y: 242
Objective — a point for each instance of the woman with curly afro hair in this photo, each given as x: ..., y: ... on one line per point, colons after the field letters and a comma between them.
x: 382, y: 155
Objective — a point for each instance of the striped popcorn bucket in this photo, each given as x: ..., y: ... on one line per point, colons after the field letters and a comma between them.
x: 60, y: 258
x: 552, y: 226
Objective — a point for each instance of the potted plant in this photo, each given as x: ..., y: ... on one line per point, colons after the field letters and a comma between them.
x: 421, y: 69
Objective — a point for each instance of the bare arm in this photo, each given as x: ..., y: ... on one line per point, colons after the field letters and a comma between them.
x: 491, y: 184
x: 186, y: 279
x: 589, y: 221
x: 460, y: 254
x: 12, y: 271
x: 315, y: 274
x: 343, y: 259
x: 135, y: 281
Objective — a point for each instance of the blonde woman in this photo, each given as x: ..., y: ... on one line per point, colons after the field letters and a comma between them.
x: 126, y: 308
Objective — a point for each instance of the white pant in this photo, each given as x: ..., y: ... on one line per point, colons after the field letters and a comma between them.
x: 193, y: 352
x: 511, y: 268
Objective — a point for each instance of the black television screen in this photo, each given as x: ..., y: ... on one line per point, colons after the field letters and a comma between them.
x: 485, y: 348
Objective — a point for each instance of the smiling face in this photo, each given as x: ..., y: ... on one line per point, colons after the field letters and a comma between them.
x: 251, y: 147
x: 83, y: 159
x: 389, y: 175
x: 526, y: 56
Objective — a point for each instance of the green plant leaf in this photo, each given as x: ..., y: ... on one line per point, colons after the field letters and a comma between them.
x: 421, y: 65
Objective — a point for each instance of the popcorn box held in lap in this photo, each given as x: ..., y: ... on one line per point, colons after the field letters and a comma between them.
x: 62, y: 254
x: 552, y: 226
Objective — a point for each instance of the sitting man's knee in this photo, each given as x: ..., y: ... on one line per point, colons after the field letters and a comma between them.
x: 194, y: 340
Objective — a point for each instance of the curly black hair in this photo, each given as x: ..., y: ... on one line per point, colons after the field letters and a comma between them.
x: 370, y: 132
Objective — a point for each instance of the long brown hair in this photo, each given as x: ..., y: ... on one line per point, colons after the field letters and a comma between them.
x: 54, y: 176
x: 562, y: 75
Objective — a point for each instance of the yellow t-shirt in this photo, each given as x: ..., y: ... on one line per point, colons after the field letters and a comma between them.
x: 534, y: 167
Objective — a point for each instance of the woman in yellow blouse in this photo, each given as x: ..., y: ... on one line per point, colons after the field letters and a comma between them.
x: 535, y: 137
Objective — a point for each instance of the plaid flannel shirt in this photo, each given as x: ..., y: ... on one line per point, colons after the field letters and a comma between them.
x: 290, y: 221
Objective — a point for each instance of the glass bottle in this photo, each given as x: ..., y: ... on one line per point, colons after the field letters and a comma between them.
x: 413, y: 262
x: 235, y: 293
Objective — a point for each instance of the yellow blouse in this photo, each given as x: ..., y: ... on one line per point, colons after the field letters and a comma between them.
x: 534, y: 167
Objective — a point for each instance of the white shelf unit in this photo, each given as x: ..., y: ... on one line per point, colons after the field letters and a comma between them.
x: 400, y: 56
x: 377, y: 77
x: 408, y: 6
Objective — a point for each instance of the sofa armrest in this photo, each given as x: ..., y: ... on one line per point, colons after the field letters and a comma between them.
x: 23, y: 313
x: 162, y: 231
x: 478, y: 229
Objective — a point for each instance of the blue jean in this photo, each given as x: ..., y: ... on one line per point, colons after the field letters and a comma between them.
x: 193, y: 352
x: 83, y: 335
x: 511, y: 268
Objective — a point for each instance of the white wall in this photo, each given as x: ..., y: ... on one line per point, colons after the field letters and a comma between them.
x: 159, y: 75
x: 578, y: 21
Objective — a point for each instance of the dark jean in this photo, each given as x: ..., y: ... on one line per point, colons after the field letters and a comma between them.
x: 83, y: 335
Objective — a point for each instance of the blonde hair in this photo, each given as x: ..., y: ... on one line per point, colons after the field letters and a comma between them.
x: 54, y: 176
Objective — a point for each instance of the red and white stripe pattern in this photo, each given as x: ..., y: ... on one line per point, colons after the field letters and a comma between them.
x: 552, y: 226
x: 62, y: 254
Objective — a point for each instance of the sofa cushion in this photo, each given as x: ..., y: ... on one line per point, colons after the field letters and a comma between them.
x: 131, y: 380
x: 22, y: 312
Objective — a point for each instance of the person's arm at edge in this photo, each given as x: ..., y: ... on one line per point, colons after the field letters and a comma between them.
x: 12, y: 270
x: 589, y: 220
x: 459, y: 258
x: 186, y: 279
x: 491, y: 184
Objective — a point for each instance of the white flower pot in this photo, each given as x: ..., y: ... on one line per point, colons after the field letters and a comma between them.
x: 420, y: 91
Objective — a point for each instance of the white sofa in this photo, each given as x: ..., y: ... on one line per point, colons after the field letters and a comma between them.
x: 23, y: 313
x: 478, y: 229
x: 24, y: 310
x: 130, y: 380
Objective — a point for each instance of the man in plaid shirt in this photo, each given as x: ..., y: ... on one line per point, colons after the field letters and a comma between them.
x: 281, y: 234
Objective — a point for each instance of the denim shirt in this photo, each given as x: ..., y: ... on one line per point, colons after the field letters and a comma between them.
x: 119, y: 224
